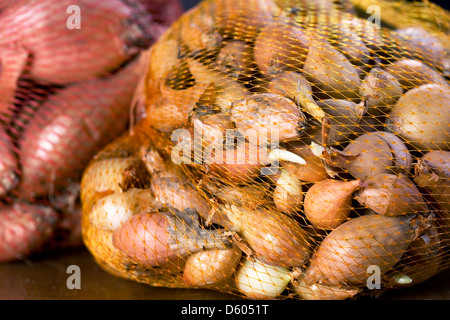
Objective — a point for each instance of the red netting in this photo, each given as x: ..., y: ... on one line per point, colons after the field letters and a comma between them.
x: 68, y: 73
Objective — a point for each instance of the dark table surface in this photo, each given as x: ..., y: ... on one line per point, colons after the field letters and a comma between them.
x: 45, y: 278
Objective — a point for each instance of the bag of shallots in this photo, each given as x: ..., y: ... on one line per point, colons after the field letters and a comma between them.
x: 287, y: 149
x: 68, y: 73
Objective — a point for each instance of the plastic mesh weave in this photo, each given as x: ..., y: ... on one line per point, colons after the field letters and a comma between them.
x: 289, y: 149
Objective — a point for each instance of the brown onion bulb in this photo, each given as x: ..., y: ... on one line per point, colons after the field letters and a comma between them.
x: 331, y: 72
x: 236, y: 60
x: 179, y: 194
x: 288, y: 193
x: 199, y: 34
x: 413, y: 73
x: 210, y: 267
x: 391, y: 195
x: 377, y: 152
x: 312, y: 171
x: 239, y: 164
x: 319, y: 291
x: 328, y: 202
x: 279, y: 47
x: 344, y: 118
x: 432, y: 172
x: 268, y: 117
x: 345, y: 255
x: 156, y: 238
x: 381, y: 90
x: 421, y: 117
x: 275, y: 238
x: 294, y: 86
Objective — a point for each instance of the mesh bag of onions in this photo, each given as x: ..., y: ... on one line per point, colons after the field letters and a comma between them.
x: 288, y: 149
x: 68, y: 73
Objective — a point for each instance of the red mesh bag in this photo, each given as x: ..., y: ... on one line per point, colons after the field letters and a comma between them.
x: 288, y: 149
x: 68, y: 73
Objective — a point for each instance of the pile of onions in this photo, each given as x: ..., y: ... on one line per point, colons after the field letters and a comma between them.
x: 69, y: 71
x: 287, y: 150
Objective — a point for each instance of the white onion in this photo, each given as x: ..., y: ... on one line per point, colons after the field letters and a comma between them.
x: 261, y: 281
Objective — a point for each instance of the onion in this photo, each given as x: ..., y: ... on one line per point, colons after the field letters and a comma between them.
x: 221, y: 88
x: 421, y: 117
x: 108, y: 36
x: 13, y: 59
x: 246, y: 196
x: 240, y: 164
x: 423, y: 45
x: 318, y: 291
x: 155, y: 238
x: 377, y: 152
x: 8, y: 164
x: 267, y: 117
x: 328, y: 202
x: 351, y: 44
x: 69, y: 128
x: 199, y: 34
x: 179, y: 194
x: 104, y: 177
x: 391, y: 195
x: 344, y: 118
x: 236, y: 60
x: 242, y: 20
x: 113, y: 210
x: 423, y: 259
x: 413, y: 73
x: 258, y: 280
x: 288, y: 195
x: 275, y: 238
x: 432, y: 172
x: 294, y: 86
x: 331, y: 72
x: 24, y: 229
x: 279, y: 47
x: 210, y: 267
x: 212, y: 128
x: 381, y: 90
x: 313, y: 170
x: 345, y: 254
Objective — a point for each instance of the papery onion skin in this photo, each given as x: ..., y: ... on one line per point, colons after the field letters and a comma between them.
x: 276, y: 238
x: 345, y: 254
x: 154, y: 239
x: 328, y: 202
x: 210, y: 267
x: 258, y: 280
x: 421, y: 117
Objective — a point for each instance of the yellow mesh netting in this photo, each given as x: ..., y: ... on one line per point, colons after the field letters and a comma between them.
x: 288, y: 149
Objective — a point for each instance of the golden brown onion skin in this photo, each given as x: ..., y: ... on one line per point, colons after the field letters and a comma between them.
x: 275, y: 238
x: 345, y: 254
x: 392, y: 195
x: 209, y: 267
x: 328, y: 202
x: 421, y: 117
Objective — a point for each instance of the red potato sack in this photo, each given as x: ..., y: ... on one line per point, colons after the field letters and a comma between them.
x: 68, y: 74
